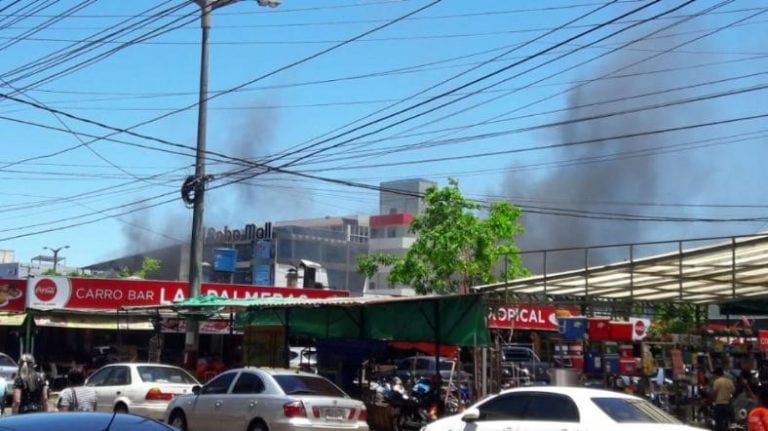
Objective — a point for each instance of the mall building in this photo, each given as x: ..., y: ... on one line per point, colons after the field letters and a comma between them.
x: 319, y: 252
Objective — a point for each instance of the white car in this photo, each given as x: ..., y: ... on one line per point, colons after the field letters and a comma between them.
x: 8, y: 369
x: 553, y: 408
x: 143, y: 389
x: 261, y: 399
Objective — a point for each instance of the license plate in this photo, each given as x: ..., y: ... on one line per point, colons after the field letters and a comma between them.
x: 334, y: 414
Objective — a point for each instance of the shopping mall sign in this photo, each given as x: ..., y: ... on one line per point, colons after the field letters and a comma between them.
x: 536, y: 317
x: 250, y: 232
x: 46, y: 293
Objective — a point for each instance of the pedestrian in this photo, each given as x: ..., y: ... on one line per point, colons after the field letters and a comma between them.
x: 758, y: 416
x: 76, y: 397
x: 30, y: 390
x: 722, y: 392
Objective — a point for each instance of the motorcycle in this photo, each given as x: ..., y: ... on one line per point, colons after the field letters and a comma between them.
x: 414, y: 409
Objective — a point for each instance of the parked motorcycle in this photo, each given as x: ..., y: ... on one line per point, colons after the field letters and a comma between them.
x: 416, y: 408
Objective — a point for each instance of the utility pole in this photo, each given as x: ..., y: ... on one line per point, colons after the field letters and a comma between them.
x: 193, y: 189
x: 55, y: 252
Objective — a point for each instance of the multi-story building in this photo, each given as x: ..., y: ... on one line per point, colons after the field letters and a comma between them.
x: 267, y: 253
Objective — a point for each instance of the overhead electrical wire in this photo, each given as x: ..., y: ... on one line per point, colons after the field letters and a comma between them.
x: 310, y: 148
x: 129, y: 131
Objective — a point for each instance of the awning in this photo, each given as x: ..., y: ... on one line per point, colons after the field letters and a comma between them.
x: 457, y: 320
x: 737, y: 269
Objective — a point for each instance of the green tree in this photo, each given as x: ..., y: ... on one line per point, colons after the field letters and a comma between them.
x: 148, y: 266
x: 454, y: 248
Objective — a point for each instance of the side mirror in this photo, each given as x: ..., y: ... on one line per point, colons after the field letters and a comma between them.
x: 196, y: 389
x: 470, y: 415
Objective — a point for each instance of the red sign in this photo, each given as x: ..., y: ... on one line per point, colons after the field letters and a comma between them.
x: 12, y: 294
x: 45, y: 289
x: 639, y: 328
x: 538, y: 317
x: 111, y: 294
x: 762, y: 339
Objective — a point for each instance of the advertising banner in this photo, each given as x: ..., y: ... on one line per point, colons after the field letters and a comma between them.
x: 46, y: 293
x: 535, y: 317
x: 639, y: 327
x: 762, y: 338
x: 12, y: 294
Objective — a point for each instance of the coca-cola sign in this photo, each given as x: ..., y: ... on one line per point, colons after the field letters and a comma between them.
x: 45, y: 290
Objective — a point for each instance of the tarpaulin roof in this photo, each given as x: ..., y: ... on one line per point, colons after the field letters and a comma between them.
x: 456, y: 319
x: 736, y: 269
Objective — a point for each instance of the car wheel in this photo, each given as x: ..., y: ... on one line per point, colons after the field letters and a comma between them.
x: 121, y: 408
x: 178, y: 421
x: 258, y: 425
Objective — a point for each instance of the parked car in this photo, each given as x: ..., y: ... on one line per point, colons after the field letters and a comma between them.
x: 560, y: 408
x: 260, y: 399
x: 304, y: 358
x: 8, y: 369
x: 80, y: 421
x: 141, y: 388
x: 417, y: 367
x: 523, y: 363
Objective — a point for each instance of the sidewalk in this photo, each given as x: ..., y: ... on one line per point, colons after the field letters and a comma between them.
x: 52, y: 399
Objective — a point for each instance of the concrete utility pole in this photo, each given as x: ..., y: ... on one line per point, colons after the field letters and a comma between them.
x: 193, y: 189
x: 55, y: 252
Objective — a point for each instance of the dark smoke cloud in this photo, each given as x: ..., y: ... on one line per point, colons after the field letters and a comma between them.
x: 660, y: 178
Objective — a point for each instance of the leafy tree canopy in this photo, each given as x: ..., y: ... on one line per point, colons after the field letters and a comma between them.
x: 454, y: 248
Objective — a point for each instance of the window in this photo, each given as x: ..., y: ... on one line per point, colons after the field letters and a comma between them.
x: 219, y: 385
x: 293, y: 384
x: 155, y: 374
x: 6, y: 361
x: 248, y: 383
x: 116, y: 376
x: 630, y: 410
x: 551, y: 407
x: 98, y: 378
x: 424, y: 364
x: 504, y: 407
x: 391, y: 232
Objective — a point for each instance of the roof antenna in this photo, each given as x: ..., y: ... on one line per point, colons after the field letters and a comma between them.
x: 109, y: 425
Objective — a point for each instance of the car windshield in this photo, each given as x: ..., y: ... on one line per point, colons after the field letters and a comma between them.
x: 516, y: 355
x: 293, y: 384
x: 151, y: 374
x: 629, y: 410
x: 446, y: 365
x: 6, y: 361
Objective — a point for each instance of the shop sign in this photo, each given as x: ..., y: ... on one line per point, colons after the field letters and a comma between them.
x: 46, y: 293
x: 536, y: 317
x: 12, y: 294
x: 249, y: 233
x: 639, y: 327
x: 762, y: 339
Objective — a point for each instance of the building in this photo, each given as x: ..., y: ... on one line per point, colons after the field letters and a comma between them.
x: 327, y: 248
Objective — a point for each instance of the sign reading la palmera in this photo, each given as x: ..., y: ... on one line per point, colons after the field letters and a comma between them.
x: 250, y: 232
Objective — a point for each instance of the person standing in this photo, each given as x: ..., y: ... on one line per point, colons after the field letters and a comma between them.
x: 757, y: 420
x: 77, y: 397
x: 722, y: 392
x: 30, y: 390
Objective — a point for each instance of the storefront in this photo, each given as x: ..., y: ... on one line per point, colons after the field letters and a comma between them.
x: 66, y: 319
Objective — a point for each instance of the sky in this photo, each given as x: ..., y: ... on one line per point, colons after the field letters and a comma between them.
x: 607, y: 122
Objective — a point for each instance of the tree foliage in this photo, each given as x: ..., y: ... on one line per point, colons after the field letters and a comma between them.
x: 454, y: 248
x: 148, y: 265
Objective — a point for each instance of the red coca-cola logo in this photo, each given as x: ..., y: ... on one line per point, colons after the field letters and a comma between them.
x: 45, y: 289
x: 639, y: 328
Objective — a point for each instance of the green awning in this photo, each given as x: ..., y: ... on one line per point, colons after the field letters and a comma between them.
x: 456, y: 320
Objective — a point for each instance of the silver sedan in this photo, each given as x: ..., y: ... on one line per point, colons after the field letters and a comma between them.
x: 261, y: 399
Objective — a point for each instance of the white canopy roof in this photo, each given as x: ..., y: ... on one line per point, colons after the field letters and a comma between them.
x: 736, y: 269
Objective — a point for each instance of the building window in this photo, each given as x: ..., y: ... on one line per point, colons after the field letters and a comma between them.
x: 391, y: 232
x: 371, y: 285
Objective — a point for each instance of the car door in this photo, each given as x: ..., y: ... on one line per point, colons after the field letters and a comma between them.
x: 113, y: 384
x: 551, y: 412
x: 206, y: 412
x: 501, y: 413
x: 245, y: 401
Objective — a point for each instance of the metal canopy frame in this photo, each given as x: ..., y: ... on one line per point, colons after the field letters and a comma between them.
x: 735, y: 269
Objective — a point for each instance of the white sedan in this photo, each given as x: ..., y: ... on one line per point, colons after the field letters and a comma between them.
x: 144, y: 389
x: 267, y: 399
x: 560, y: 409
